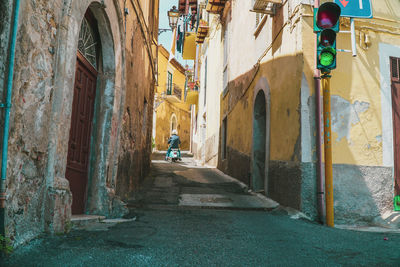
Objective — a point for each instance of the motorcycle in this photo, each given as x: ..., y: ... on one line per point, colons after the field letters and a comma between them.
x: 174, y: 155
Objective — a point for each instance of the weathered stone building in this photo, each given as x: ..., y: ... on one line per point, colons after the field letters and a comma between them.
x: 80, y: 125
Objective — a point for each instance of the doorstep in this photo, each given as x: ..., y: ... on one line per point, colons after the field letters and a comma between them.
x: 82, y: 220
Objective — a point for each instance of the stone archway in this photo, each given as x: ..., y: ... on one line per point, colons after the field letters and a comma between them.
x: 108, y: 101
x: 174, y: 123
x: 88, y: 65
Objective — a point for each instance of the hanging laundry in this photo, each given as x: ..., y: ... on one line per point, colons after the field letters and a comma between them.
x: 193, y: 21
x: 180, y: 35
x: 179, y: 40
x: 173, y: 46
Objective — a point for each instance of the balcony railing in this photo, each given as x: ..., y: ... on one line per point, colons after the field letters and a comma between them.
x: 266, y: 6
x: 174, y: 93
x: 202, y: 31
x: 177, y: 91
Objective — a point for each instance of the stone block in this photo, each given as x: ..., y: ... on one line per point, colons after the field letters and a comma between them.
x: 58, y: 207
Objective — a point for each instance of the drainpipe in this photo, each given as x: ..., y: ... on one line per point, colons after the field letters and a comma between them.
x: 7, y: 107
x: 320, y: 175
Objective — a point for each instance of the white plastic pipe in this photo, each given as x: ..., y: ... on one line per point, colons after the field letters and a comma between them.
x: 353, y: 37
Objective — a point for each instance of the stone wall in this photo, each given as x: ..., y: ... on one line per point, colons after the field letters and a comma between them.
x: 33, y: 90
x: 5, y: 13
x: 366, y: 197
x: 135, y: 134
x: 38, y: 194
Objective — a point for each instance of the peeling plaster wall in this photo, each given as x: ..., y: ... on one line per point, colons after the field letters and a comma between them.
x: 280, y: 43
x: 361, y: 116
x: 362, y: 146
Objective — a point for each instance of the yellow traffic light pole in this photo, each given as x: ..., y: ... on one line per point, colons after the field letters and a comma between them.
x: 326, y: 88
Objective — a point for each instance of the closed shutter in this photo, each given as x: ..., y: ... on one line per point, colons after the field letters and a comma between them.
x: 395, y: 68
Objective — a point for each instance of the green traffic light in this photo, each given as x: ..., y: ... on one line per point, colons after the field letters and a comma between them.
x: 326, y: 59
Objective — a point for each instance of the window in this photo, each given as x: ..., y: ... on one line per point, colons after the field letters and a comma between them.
x: 169, y: 83
x: 395, y: 68
x: 223, y: 138
x: 87, y: 42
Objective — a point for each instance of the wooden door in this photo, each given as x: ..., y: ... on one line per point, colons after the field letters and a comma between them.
x: 80, y: 132
x: 395, y: 81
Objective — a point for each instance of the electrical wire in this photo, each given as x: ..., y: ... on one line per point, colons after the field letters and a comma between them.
x: 144, y: 30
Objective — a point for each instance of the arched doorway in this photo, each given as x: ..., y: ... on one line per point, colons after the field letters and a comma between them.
x: 259, y: 142
x: 77, y: 170
x: 174, y: 123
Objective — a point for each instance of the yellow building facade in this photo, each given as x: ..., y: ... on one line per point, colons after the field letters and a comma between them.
x: 170, y: 110
x: 267, y: 134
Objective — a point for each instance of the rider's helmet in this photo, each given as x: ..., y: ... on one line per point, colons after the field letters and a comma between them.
x: 174, y: 132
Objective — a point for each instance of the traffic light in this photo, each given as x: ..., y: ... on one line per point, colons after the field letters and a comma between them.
x: 326, y: 25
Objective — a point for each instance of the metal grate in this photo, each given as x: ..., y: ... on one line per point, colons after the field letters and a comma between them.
x: 394, y: 62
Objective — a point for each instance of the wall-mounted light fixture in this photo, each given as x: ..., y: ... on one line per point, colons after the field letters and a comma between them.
x: 173, y: 15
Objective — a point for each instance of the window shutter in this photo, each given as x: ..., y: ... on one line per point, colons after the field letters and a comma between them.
x: 394, y: 62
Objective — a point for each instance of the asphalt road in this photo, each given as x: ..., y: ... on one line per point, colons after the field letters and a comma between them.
x: 211, y: 238
x: 168, y: 235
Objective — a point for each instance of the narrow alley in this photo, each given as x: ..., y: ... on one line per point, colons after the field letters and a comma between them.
x: 199, y: 133
x: 165, y: 229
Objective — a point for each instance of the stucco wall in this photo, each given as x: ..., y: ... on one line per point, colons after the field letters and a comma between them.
x: 214, y: 86
x: 361, y: 115
x: 361, y: 107
x: 164, y: 113
x: 280, y: 63
x: 166, y: 108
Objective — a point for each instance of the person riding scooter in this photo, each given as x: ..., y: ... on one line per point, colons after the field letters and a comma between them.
x: 173, y: 142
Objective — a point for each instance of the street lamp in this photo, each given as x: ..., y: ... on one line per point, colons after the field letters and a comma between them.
x: 173, y: 15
